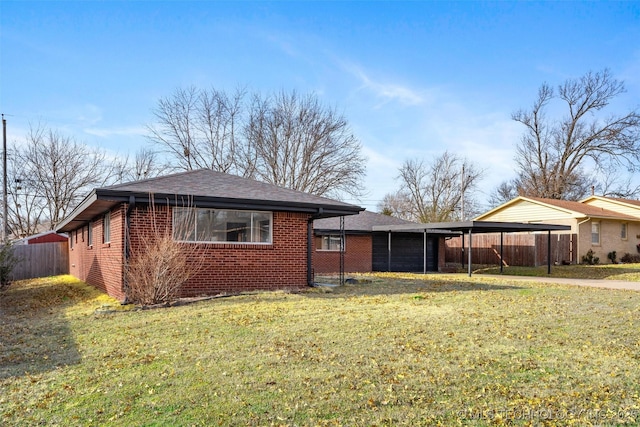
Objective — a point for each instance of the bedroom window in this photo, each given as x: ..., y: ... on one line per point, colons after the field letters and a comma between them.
x: 221, y: 226
x: 331, y: 242
x: 106, y: 228
x: 595, y: 233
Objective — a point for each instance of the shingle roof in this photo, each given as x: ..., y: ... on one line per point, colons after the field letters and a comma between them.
x: 362, y: 222
x: 206, y: 188
x: 211, y: 184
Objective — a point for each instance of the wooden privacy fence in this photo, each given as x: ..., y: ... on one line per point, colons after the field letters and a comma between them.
x: 521, y: 249
x: 41, y: 260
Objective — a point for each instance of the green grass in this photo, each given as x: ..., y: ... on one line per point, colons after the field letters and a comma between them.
x: 392, y: 350
x: 628, y: 272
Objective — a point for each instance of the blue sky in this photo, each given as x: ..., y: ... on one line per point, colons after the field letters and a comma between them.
x: 413, y: 78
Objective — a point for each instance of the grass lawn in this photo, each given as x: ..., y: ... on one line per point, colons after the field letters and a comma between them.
x: 628, y: 272
x: 390, y: 350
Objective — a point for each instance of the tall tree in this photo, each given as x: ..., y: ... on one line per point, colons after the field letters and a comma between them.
x: 440, y: 190
x: 554, y: 152
x: 55, y: 172
x: 295, y: 142
x: 284, y: 139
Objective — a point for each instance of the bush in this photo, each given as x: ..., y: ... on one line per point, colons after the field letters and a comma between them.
x: 630, y: 258
x: 158, y: 266
x: 590, y: 259
x: 8, y: 261
x: 612, y: 257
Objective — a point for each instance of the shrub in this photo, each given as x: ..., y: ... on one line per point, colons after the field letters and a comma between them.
x: 612, y: 257
x: 589, y: 258
x: 8, y: 261
x: 630, y: 258
x: 159, y: 266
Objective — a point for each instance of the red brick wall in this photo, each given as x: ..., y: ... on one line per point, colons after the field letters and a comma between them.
x: 228, y: 268
x: 357, y: 258
x: 100, y: 264
x: 238, y: 267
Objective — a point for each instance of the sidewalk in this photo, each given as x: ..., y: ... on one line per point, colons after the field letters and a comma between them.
x: 593, y: 283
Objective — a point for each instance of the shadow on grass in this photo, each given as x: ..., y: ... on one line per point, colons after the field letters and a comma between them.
x: 398, y: 286
x: 35, y: 337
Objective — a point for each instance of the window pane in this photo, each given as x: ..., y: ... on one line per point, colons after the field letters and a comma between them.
x: 331, y: 243
x: 237, y: 226
x: 261, y: 231
x: 205, y: 225
x: 183, y: 224
x: 623, y: 231
x: 595, y: 233
x: 106, y: 228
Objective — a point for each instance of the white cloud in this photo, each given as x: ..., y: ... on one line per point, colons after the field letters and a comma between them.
x: 122, y: 131
x: 387, y: 91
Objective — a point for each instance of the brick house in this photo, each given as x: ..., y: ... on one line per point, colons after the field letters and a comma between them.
x: 366, y: 246
x: 253, y: 235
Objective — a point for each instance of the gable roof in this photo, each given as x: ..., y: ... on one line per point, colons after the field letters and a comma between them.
x: 205, y: 188
x: 625, y: 206
x: 363, y: 222
x: 564, y: 208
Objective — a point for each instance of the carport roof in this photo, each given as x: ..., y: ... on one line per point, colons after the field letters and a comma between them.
x: 474, y: 227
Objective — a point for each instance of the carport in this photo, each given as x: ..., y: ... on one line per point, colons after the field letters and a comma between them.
x: 469, y: 228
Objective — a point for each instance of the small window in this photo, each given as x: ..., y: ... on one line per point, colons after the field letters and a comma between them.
x: 331, y: 242
x: 90, y: 234
x: 71, y: 240
x: 106, y: 228
x: 595, y: 233
x: 623, y: 231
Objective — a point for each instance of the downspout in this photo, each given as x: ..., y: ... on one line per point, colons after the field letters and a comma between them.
x: 578, y: 238
x: 127, y: 245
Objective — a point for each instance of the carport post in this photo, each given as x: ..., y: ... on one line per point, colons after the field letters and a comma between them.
x: 469, y: 255
x: 424, y: 253
x: 548, y: 251
x: 501, y: 242
x: 389, y: 251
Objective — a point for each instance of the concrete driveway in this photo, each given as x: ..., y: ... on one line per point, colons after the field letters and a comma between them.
x: 593, y: 283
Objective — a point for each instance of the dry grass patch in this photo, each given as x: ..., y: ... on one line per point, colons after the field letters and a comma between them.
x: 396, y: 350
x: 628, y: 272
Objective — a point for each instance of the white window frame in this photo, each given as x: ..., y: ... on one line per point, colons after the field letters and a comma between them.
x: 624, y: 231
x: 326, y: 243
x: 90, y: 234
x: 595, y: 225
x: 106, y: 228
x: 252, y: 226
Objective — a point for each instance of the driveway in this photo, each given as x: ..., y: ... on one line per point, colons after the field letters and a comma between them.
x: 593, y: 283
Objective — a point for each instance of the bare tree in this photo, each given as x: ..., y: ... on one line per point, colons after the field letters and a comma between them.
x: 506, y: 191
x: 199, y: 129
x: 297, y: 143
x: 26, y: 209
x: 553, y: 153
x: 55, y: 173
x: 436, y: 190
x: 397, y: 205
x: 285, y: 139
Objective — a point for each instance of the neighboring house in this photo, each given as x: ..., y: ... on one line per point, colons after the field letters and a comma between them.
x: 367, y: 250
x: 253, y: 235
x: 45, y: 237
x: 601, y: 224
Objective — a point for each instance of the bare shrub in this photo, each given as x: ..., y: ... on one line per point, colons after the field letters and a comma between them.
x: 158, y: 265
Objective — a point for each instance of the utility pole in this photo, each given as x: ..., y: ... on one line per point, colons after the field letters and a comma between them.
x: 5, y: 208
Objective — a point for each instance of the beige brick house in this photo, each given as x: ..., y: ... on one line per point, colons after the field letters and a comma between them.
x: 600, y: 224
